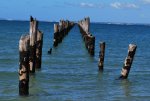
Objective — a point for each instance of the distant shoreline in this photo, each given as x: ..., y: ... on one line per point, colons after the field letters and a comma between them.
x: 109, y: 23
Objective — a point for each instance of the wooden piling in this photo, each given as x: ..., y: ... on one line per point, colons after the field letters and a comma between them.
x: 87, y: 24
x: 92, y: 46
x: 56, y: 28
x: 33, y: 39
x: 101, y: 56
x: 89, y: 39
x: 39, y: 45
x: 61, y: 30
x: 128, y: 61
x: 56, y: 33
x: 50, y: 51
x: 24, y: 66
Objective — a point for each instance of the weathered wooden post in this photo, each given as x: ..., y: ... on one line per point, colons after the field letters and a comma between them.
x: 39, y: 45
x: 50, y: 51
x: 24, y: 66
x: 101, y: 56
x: 91, y: 45
x: 33, y: 37
x: 67, y: 26
x: 86, y: 39
x: 88, y: 21
x: 84, y: 26
x: 61, y: 31
x: 128, y: 61
x: 56, y: 32
x: 87, y: 24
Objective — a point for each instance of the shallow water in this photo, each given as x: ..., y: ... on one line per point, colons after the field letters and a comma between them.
x: 70, y: 73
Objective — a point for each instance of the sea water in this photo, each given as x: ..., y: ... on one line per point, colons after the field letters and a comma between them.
x: 70, y: 73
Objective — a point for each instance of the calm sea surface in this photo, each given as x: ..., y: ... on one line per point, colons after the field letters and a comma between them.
x: 70, y: 73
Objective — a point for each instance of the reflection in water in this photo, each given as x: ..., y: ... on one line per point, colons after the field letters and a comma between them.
x: 126, y: 87
x: 100, y: 74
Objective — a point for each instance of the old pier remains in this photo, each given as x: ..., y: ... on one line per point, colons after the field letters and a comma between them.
x: 89, y: 39
x: 30, y: 50
x: 61, y: 30
x: 101, y: 55
x: 128, y: 61
x: 24, y: 65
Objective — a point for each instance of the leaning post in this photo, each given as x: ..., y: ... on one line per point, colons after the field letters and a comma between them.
x: 128, y: 61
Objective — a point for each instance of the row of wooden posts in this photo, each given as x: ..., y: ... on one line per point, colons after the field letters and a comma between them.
x: 30, y: 50
x: 84, y: 26
x: 89, y: 39
x: 61, y: 30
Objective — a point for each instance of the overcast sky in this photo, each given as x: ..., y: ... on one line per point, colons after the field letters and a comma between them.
x: 130, y: 11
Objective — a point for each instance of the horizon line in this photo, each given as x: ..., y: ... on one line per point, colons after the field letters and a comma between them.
x: 100, y: 22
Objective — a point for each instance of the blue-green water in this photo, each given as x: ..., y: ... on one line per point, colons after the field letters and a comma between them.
x: 70, y: 73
